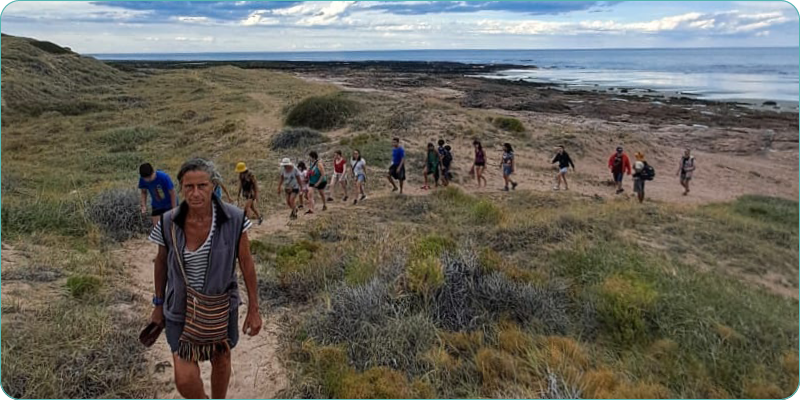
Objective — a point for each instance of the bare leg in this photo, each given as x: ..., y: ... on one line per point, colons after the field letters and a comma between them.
x: 220, y: 375
x: 401, y: 187
x: 324, y: 201
x: 155, y: 220
x: 564, y: 178
x: 187, y: 379
x: 392, y: 182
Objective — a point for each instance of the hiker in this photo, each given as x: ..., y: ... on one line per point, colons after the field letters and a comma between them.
x: 196, y: 291
x: 638, y: 175
x: 447, y: 161
x: 398, y: 168
x: 686, y: 170
x: 443, y: 154
x: 431, y: 167
x: 301, y: 167
x: 564, y: 162
x: 290, y: 183
x: 619, y: 164
x: 317, y: 180
x: 509, y: 166
x: 339, y: 175
x: 359, y: 167
x: 479, y: 166
x: 248, y: 188
x: 219, y: 187
x: 162, y: 192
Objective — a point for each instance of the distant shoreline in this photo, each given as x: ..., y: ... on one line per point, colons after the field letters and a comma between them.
x: 443, y: 69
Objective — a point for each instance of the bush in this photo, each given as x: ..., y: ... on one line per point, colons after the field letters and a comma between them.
x: 485, y: 212
x: 624, y: 304
x: 80, y: 286
x: 293, y: 138
x: 128, y: 139
x: 508, y: 124
x: 425, y: 275
x: 112, y: 163
x: 117, y: 213
x: 58, y: 217
x: 322, y: 112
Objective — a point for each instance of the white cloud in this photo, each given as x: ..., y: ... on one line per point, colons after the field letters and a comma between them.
x: 728, y: 22
x: 328, y: 14
x: 206, y: 39
x: 199, y: 20
x: 258, y: 18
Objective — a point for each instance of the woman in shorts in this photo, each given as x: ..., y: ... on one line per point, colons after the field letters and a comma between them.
x: 317, y: 180
x: 480, y: 163
x: 359, y: 167
x: 509, y: 166
x: 248, y: 188
x: 339, y: 175
x: 290, y: 183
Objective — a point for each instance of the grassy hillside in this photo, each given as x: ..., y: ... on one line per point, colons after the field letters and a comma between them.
x: 536, y: 295
x: 451, y: 294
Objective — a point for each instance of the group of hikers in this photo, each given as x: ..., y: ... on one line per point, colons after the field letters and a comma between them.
x: 303, y: 185
x: 201, y: 237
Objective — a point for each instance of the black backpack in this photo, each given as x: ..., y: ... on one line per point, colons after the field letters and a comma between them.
x: 447, y: 158
x: 648, y: 172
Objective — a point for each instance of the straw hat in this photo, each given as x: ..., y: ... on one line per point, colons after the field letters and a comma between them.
x: 286, y: 162
x: 241, y: 167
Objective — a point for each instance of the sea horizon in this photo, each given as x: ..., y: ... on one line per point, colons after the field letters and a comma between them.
x: 709, y: 73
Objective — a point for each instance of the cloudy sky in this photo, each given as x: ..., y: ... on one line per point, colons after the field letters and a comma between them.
x: 234, y: 26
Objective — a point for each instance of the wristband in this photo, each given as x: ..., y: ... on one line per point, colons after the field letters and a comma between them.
x: 158, y: 301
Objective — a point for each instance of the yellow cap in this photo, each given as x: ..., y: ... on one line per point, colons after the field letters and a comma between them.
x: 240, y: 167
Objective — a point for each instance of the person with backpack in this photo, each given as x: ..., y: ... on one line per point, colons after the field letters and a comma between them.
x: 509, y: 166
x: 248, y: 188
x: 442, y: 154
x: 359, y: 167
x: 317, y: 180
x: 619, y: 164
x: 686, y: 170
x: 339, y: 175
x: 447, y: 161
x: 289, y: 181
x: 162, y: 192
x: 642, y: 172
x: 564, y: 162
x: 479, y: 166
x: 398, y: 168
x: 431, y: 167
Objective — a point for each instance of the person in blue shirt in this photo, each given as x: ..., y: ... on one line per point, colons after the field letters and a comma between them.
x: 398, y: 168
x: 162, y: 192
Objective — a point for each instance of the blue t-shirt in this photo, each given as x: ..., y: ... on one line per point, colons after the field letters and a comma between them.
x: 398, y: 154
x: 159, y: 190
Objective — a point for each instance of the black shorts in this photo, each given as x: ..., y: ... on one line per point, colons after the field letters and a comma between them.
x: 433, y: 169
x: 399, y: 174
x: 290, y: 190
x: 322, y: 185
x: 159, y: 211
x: 480, y: 164
x: 249, y: 195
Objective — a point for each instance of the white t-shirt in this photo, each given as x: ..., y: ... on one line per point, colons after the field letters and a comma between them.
x: 291, y: 179
x: 358, y: 167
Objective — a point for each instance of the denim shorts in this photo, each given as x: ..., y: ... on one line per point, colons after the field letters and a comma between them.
x: 173, y: 331
x: 507, y: 171
x: 361, y: 178
x: 618, y: 176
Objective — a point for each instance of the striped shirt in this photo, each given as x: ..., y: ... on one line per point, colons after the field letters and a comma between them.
x: 196, y: 262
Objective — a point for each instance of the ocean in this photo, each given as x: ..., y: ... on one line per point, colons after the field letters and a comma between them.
x: 708, y: 73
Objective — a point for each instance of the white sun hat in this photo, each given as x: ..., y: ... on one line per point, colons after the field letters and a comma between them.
x: 285, y: 162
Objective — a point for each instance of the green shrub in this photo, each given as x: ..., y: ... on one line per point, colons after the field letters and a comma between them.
x: 425, y: 275
x: 292, y: 138
x: 624, y: 303
x: 431, y: 246
x: 485, y: 212
x: 112, y: 163
x: 261, y: 250
x: 128, y: 139
x: 768, y: 209
x: 322, y: 112
x: 80, y: 286
x: 508, y: 124
x: 59, y: 217
x: 294, y: 256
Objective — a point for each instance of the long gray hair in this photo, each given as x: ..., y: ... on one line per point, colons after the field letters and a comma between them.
x: 199, y: 164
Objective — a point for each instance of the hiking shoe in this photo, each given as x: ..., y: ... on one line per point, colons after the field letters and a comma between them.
x: 300, y: 206
x: 309, y: 212
x: 556, y: 188
x: 505, y: 189
x: 355, y: 201
x: 513, y: 185
x: 620, y: 191
x: 324, y: 208
x: 363, y: 196
x: 260, y: 220
x: 329, y: 199
x: 344, y: 199
x: 394, y: 189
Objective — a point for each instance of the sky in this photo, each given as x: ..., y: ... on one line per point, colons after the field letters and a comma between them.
x: 253, y: 26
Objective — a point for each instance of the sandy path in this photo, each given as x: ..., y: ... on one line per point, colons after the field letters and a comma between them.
x: 257, y: 371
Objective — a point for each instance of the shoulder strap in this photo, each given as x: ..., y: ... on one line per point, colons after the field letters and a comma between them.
x: 177, y: 255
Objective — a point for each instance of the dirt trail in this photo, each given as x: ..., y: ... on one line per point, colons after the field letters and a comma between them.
x: 257, y: 371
